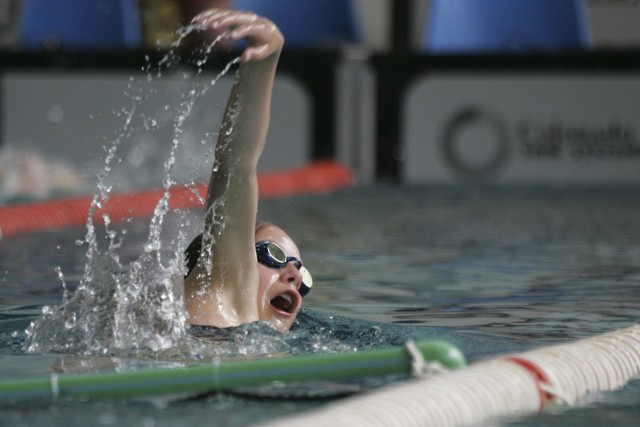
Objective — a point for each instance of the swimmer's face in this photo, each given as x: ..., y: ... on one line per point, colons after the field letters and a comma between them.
x: 279, y: 299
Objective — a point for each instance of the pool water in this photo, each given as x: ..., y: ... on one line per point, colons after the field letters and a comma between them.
x: 492, y: 270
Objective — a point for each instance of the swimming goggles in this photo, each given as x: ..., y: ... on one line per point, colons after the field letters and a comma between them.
x: 272, y: 255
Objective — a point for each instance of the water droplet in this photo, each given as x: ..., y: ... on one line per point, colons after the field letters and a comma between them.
x: 55, y: 114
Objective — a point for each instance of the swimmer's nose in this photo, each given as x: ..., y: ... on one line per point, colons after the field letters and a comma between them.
x: 290, y: 274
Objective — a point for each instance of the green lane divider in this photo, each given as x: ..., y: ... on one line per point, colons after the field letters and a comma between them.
x: 229, y: 375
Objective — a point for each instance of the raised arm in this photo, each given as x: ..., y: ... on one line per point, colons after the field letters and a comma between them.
x: 223, y: 292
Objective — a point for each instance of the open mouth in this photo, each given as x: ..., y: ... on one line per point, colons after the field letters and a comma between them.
x: 285, y: 303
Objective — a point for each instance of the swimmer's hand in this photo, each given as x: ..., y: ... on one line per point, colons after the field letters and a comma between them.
x: 262, y: 35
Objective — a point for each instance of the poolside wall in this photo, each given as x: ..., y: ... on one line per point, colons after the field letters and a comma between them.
x: 560, y: 119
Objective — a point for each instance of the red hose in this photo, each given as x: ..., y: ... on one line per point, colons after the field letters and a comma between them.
x: 318, y: 177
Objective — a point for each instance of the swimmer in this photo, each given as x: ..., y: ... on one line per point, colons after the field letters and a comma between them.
x: 242, y: 270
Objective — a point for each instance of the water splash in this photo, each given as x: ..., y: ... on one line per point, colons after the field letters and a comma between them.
x: 137, y: 307
x: 65, y: 290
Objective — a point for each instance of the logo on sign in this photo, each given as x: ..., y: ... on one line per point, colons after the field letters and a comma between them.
x: 476, y: 143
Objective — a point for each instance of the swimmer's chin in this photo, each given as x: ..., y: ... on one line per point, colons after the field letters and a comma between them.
x: 282, y: 325
x: 279, y: 325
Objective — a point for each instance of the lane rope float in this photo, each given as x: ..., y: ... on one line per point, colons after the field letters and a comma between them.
x: 219, y: 375
x: 315, y: 178
x: 509, y: 385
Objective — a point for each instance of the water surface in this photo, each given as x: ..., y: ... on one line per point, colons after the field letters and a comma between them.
x: 492, y: 270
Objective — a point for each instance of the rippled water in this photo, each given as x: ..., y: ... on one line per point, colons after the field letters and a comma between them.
x: 492, y: 270
x: 518, y: 263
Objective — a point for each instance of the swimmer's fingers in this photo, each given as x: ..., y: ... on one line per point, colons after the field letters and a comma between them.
x: 221, y: 20
x: 263, y: 36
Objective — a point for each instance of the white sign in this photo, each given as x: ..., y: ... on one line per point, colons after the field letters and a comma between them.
x: 533, y: 129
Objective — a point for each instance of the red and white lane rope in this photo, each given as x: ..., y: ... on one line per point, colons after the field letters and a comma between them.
x: 505, y: 386
x: 318, y: 177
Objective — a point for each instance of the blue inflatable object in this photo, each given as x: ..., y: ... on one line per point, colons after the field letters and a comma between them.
x: 516, y: 26
x: 308, y: 23
x: 80, y: 24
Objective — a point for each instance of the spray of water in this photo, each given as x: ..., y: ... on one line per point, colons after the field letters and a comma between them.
x: 136, y: 307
